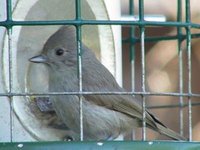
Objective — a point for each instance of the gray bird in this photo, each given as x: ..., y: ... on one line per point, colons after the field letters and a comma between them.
x: 104, y: 116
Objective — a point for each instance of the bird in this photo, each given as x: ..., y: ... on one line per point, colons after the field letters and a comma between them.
x: 105, y: 116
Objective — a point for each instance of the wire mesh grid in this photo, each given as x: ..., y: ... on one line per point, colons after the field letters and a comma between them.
x: 9, y: 23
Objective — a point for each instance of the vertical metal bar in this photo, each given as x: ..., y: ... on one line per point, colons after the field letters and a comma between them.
x: 132, y: 48
x: 189, y: 67
x: 180, y: 54
x: 142, y: 37
x: 132, y: 53
x: 9, y: 10
x: 79, y: 57
x: 9, y: 33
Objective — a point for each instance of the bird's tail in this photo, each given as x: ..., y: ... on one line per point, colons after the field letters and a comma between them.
x: 162, y: 129
x: 170, y: 133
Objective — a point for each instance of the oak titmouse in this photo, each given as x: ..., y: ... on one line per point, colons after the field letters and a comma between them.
x: 104, y: 116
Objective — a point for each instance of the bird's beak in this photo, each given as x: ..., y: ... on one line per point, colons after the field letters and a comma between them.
x: 39, y: 59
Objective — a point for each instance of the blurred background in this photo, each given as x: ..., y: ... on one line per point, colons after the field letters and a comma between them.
x: 163, y: 61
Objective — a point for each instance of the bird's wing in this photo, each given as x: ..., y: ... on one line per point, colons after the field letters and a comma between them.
x: 122, y: 103
x: 98, y: 79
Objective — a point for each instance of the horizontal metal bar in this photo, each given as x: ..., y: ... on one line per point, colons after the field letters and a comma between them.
x: 103, y: 145
x: 9, y: 23
x: 104, y: 93
x: 160, y: 38
x: 172, y: 106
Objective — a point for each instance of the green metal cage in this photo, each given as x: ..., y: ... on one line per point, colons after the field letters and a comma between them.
x: 180, y: 24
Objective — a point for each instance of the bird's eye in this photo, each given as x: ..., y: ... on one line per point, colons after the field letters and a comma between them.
x: 59, y: 52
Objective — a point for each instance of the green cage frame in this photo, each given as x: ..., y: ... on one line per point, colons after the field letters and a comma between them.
x: 78, y: 22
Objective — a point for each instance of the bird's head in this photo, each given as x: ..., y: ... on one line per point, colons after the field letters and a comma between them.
x: 60, y: 49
